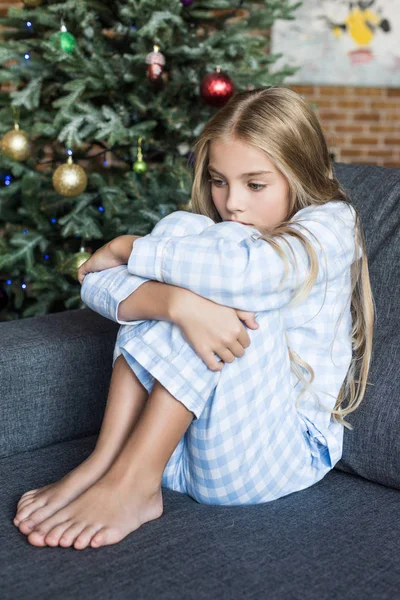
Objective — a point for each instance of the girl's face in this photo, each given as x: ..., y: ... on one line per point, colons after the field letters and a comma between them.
x: 246, y: 186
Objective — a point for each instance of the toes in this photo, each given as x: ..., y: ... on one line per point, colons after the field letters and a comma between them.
x: 38, y: 535
x: 83, y: 539
x: 26, y: 496
x: 17, y: 519
x: 35, y: 539
x: 71, y: 533
x: 106, y: 536
x: 28, y: 493
x: 25, y: 502
x: 35, y: 518
x: 100, y: 539
x: 26, y: 526
x: 38, y: 515
x: 27, y: 511
x: 47, y: 525
x: 54, y: 535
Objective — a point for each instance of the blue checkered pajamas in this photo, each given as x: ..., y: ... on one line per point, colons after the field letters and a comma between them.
x: 247, y: 443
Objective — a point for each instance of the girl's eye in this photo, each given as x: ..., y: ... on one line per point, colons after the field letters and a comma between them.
x: 260, y: 186
x: 217, y: 182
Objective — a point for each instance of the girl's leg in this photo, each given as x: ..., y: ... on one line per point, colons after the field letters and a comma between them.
x: 129, y: 494
x: 251, y: 444
x: 126, y: 400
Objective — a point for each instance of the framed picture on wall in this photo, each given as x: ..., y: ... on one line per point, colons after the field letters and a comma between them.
x: 336, y: 42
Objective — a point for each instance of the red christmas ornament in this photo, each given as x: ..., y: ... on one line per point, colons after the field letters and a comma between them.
x: 156, y: 62
x: 216, y: 88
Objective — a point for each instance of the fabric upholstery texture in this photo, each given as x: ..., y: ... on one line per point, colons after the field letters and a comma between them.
x: 372, y: 449
x: 339, y: 539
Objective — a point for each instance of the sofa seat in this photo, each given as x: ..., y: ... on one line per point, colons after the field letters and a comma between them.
x: 338, y: 539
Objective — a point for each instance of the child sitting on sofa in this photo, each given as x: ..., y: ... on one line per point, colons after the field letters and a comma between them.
x: 273, y: 233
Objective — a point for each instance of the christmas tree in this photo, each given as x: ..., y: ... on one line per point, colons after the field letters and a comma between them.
x: 101, y: 103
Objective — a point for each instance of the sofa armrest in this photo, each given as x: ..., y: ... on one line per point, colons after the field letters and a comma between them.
x: 55, y: 372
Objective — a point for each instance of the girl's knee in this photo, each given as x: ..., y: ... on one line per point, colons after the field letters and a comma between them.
x: 180, y: 223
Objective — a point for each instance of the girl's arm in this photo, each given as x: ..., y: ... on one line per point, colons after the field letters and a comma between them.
x: 105, y: 286
x: 104, y: 291
x: 151, y: 301
x: 122, y: 246
x: 121, y: 297
x: 112, y: 254
x: 246, y: 274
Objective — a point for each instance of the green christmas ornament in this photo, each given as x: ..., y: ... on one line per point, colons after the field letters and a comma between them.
x: 63, y: 39
x: 139, y: 166
x: 67, y: 41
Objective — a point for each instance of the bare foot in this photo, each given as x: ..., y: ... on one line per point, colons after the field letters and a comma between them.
x: 104, y: 514
x: 37, y: 505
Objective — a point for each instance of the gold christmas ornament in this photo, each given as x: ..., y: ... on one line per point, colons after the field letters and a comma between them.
x: 71, y: 265
x: 16, y: 144
x: 69, y: 179
x: 77, y: 260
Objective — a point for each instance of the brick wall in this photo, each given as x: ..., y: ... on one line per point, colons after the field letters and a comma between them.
x: 361, y: 124
x: 4, y: 6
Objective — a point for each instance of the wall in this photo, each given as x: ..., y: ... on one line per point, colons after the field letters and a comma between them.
x: 362, y: 125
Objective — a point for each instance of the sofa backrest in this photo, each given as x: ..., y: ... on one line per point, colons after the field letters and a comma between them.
x: 55, y: 372
x: 372, y: 449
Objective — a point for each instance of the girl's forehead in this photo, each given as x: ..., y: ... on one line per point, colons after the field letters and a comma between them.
x: 238, y: 155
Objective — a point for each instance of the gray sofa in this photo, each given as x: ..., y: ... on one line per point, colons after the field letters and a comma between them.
x: 337, y: 539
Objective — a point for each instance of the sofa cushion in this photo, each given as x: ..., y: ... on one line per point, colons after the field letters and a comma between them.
x: 55, y: 371
x: 336, y: 539
x: 372, y: 449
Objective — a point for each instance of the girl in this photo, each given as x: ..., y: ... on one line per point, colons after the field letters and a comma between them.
x: 272, y: 232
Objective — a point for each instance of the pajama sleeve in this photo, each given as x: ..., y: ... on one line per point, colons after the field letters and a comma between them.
x: 103, y: 291
x: 228, y: 263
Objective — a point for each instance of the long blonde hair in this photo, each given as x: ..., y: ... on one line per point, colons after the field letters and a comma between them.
x: 279, y: 122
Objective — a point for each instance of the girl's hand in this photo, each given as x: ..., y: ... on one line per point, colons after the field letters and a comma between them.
x: 103, y: 258
x: 212, y: 328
